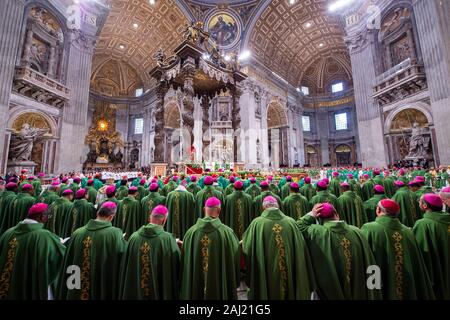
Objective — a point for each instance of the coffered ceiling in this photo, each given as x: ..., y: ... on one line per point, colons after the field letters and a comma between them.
x: 302, y: 43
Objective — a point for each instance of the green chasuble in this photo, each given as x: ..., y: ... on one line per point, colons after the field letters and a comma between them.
x: 295, y: 206
x: 308, y: 191
x: 238, y: 212
x: 351, y: 209
x: 17, y: 209
x: 143, y: 192
x: 181, y: 206
x: 257, y: 207
x: 151, y: 265
x: 210, y: 262
x: 229, y: 190
x: 97, y: 248
x: 285, y: 191
x: 403, y: 271
x: 432, y: 233
x: 130, y: 216
x: 48, y: 197
x: 82, y: 211
x: 409, y: 209
x: 122, y: 192
x: 193, y: 188
x: 323, y: 197
x: 5, y: 198
x: 277, y: 259
x: 37, y: 187
x: 92, y: 195
x: 97, y: 184
x: 389, y: 187
x: 149, y: 202
x: 340, y: 256
x: 335, y: 187
x: 354, y: 186
x: 169, y: 187
x: 59, y: 216
x: 253, y: 190
x: 274, y: 188
x: 203, y: 195
x: 367, y: 190
x: 30, y: 260
x: 370, y: 206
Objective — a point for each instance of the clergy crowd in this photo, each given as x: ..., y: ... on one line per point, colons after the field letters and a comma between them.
x: 338, y: 234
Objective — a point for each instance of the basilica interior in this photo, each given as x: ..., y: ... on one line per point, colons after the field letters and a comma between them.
x: 125, y: 84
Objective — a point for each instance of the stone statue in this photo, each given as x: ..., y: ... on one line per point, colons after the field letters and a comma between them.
x: 22, y: 142
x: 418, y: 144
x: 258, y: 151
x: 119, y: 157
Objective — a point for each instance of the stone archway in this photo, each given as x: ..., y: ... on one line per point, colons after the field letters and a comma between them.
x: 277, y: 125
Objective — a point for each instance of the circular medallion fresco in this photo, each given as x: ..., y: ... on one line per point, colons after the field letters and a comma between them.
x: 225, y: 29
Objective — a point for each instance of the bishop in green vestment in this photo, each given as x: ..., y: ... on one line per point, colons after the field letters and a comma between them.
x: 18, y: 207
x: 122, y: 191
x: 403, y: 272
x: 51, y: 194
x: 142, y: 190
x: 92, y: 192
x: 308, y: 190
x: 210, y: 258
x: 323, y: 195
x: 340, y: 256
x: 81, y: 213
x: 278, y: 265
x: 285, y: 190
x: 59, y: 215
x: 257, y: 207
x: 64, y: 185
x: 170, y: 186
x: 97, y: 248
x: 432, y: 233
x: 75, y: 186
x: 30, y: 258
x: 389, y: 187
x: 6, y: 197
x: 152, y: 200
x: 253, y: 190
x: 335, y: 185
x: 230, y: 187
x: 207, y: 192
x: 409, y: 210
x: 295, y: 205
x: 354, y: 185
x: 367, y: 188
x: 151, y: 264
x: 370, y: 206
x: 181, y: 205
x: 193, y: 187
x: 238, y: 210
x: 37, y: 187
x: 351, y: 207
x: 130, y: 214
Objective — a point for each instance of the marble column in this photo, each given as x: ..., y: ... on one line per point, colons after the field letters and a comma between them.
x: 188, y: 114
x: 323, y: 133
x: 236, y: 123
x: 159, y: 138
x: 11, y: 15
x: 362, y: 55
x: 435, y: 44
x: 206, y: 139
x: 74, y: 119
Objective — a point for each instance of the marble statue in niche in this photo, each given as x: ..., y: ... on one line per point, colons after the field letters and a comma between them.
x: 418, y: 143
x: 21, y: 144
